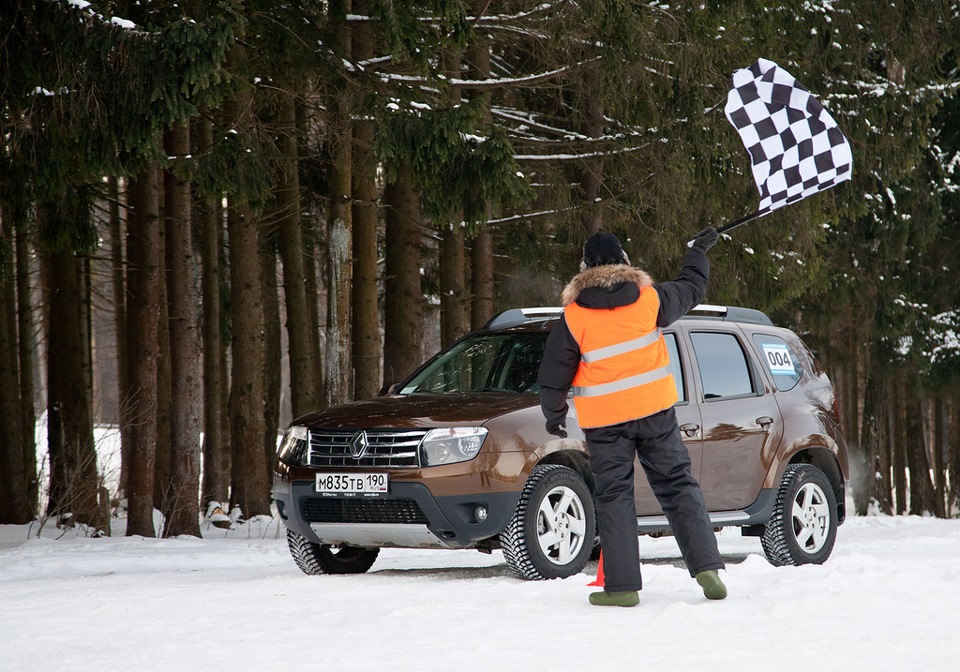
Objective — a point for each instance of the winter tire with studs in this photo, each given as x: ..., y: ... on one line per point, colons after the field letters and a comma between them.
x: 551, y: 534
x: 803, y: 528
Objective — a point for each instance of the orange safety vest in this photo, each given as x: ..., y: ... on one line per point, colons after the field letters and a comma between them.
x: 624, y: 372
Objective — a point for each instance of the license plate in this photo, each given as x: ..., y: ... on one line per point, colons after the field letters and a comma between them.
x: 368, y: 485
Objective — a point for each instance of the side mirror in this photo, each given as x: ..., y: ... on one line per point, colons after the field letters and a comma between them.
x: 388, y: 389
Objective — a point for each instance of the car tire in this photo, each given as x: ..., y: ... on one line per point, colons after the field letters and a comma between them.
x: 803, y: 528
x: 551, y: 534
x: 313, y: 558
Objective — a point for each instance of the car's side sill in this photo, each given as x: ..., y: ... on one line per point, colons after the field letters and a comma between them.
x: 757, y: 513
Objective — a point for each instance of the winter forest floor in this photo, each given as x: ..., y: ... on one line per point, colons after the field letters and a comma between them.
x: 888, y: 599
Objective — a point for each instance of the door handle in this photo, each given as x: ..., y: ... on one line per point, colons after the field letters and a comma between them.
x: 765, y: 421
x: 690, y: 429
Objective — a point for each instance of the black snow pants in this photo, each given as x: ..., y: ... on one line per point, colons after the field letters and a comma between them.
x: 666, y: 461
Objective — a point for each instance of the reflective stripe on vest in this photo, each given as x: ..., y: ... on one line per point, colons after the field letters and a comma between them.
x: 620, y: 348
x: 624, y: 372
x: 622, y: 384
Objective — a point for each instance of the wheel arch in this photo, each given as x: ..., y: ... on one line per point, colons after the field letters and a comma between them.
x: 826, y: 461
x: 576, y: 460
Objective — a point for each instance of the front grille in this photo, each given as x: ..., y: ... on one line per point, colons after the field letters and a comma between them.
x: 381, y: 448
x: 356, y: 510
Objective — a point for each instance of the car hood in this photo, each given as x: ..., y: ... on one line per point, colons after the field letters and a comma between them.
x: 419, y: 410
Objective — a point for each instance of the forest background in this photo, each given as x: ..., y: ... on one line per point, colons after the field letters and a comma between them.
x: 216, y: 216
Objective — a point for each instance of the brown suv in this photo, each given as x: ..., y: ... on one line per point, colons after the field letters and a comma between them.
x: 457, y: 455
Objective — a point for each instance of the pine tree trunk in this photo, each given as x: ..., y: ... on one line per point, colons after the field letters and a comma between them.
x: 452, y: 286
x: 366, y: 312
x: 337, y: 377
x: 898, y: 443
x: 453, y: 306
x: 272, y: 354
x: 921, y: 487
x: 302, y: 338
x: 14, y: 505
x: 402, y: 295
x: 161, y: 474
x: 27, y: 344
x: 867, y: 487
x: 481, y: 251
x: 311, y: 283
x: 73, y: 458
x: 309, y: 227
x: 939, y: 427
x: 481, y: 277
x: 887, y: 477
x: 250, y: 489
x: 14, y: 509
x: 183, y: 514
x: 216, y: 473
x: 953, y: 458
x: 591, y: 176
x: 145, y: 256
x: 115, y: 225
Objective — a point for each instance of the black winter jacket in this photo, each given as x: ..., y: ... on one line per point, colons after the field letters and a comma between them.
x: 608, y: 287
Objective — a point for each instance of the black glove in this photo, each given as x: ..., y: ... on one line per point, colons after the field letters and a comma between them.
x: 556, y: 428
x: 706, y: 239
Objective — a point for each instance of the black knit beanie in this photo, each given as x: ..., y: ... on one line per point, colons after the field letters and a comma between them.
x: 603, y: 248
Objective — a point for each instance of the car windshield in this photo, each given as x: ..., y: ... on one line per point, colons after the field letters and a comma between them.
x: 483, y: 363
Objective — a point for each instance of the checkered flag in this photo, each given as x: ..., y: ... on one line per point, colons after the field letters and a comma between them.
x: 795, y: 146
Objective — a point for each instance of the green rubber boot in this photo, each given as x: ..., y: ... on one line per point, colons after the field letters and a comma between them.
x: 628, y: 598
x: 713, y: 588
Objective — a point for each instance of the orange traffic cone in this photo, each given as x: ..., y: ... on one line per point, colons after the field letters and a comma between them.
x: 599, y: 580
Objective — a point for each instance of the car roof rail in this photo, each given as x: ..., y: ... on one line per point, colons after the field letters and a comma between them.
x: 517, y: 316
x: 731, y: 313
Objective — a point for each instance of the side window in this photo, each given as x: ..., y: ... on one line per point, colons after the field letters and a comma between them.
x: 723, y: 366
x: 522, y: 367
x: 676, y: 366
x: 779, y: 360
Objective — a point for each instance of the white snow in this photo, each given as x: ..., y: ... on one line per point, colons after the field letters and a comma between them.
x: 887, y: 600
x: 123, y: 23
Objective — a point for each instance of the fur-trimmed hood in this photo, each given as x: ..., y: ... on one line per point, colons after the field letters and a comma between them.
x: 607, y: 276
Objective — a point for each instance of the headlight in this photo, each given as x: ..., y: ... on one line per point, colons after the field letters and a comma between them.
x: 446, y: 445
x: 293, y: 448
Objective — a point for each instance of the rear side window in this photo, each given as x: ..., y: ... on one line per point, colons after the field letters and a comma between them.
x: 675, y: 365
x: 780, y: 361
x: 723, y: 366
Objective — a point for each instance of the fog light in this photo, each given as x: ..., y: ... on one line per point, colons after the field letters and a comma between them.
x: 480, y: 513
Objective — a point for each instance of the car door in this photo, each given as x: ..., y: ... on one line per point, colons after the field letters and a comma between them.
x: 688, y: 417
x: 741, y: 421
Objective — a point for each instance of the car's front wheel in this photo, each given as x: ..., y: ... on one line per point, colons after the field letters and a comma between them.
x: 551, y: 534
x: 314, y: 558
x: 803, y: 528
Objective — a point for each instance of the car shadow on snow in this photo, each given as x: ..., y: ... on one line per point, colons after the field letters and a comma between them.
x: 503, y: 571
x: 446, y: 573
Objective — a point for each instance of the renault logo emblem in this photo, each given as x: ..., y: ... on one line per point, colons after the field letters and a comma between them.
x: 358, y: 446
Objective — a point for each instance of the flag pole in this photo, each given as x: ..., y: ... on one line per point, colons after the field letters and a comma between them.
x: 733, y: 225
x: 740, y: 222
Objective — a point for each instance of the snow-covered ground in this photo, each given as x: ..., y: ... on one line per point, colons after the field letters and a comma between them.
x: 887, y: 600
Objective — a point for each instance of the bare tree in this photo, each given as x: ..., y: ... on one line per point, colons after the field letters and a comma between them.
x: 302, y: 339
x: 73, y: 462
x: 216, y: 455
x: 366, y: 312
x: 250, y: 489
x: 183, y: 516
x: 14, y: 503
x: 145, y: 257
x: 403, y: 298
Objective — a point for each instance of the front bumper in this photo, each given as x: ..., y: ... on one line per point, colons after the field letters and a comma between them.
x: 409, y: 517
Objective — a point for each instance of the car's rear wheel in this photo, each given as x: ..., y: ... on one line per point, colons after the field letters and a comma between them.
x: 314, y: 558
x: 803, y: 528
x: 551, y: 534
